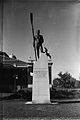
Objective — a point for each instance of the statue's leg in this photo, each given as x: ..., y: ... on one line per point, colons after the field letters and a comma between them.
x: 38, y: 52
x: 42, y: 49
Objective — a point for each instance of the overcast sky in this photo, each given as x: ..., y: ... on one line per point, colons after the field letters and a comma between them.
x: 59, y: 23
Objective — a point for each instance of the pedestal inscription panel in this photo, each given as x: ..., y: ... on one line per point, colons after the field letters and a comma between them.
x: 40, y: 73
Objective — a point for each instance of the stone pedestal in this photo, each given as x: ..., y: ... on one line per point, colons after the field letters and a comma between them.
x: 40, y: 89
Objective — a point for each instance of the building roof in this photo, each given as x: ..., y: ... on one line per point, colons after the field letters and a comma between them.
x: 3, y: 54
x: 11, y: 62
x: 15, y: 63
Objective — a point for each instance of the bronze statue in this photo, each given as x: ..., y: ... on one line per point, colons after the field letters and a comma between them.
x: 38, y: 41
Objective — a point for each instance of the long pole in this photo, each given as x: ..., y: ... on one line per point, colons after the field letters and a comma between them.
x: 31, y: 20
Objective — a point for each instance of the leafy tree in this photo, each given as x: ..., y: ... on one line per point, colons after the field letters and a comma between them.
x: 56, y: 82
x: 65, y: 80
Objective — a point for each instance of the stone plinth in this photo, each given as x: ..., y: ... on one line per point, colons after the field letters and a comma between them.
x: 40, y: 89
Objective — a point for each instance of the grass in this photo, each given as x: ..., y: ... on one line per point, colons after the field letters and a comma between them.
x: 14, y: 107
x: 18, y: 109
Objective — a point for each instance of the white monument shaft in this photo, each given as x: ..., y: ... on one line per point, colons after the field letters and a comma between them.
x: 40, y: 90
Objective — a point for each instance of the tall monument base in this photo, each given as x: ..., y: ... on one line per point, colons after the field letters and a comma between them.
x: 40, y: 89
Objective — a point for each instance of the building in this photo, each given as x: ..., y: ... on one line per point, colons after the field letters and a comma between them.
x: 16, y: 73
x: 13, y: 73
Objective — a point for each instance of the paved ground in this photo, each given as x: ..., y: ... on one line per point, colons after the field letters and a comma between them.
x: 19, y: 110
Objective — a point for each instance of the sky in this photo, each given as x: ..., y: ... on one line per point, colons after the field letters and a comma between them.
x: 59, y: 23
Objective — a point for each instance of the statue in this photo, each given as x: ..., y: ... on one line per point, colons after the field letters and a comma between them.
x: 37, y: 39
x: 37, y: 43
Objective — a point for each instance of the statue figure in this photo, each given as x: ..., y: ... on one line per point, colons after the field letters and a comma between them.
x: 37, y: 43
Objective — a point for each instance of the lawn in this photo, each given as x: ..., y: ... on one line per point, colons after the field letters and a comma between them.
x: 18, y: 109
x: 13, y: 106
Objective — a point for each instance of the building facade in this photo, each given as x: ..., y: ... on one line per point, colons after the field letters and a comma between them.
x: 17, y: 74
